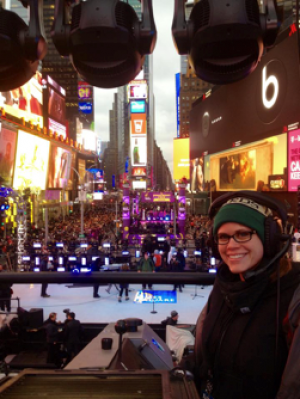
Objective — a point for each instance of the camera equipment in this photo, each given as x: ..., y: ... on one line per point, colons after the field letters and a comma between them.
x: 105, y: 39
x: 224, y: 39
x: 21, y: 46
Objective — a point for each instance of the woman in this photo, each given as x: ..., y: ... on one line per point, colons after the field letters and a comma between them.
x: 242, y: 349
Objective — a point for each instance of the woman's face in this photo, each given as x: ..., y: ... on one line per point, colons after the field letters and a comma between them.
x: 240, y: 257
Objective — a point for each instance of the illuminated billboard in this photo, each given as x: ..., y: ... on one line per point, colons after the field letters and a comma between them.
x: 138, y: 107
x: 7, y: 154
x: 25, y: 101
x: 238, y: 171
x: 139, y: 185
x: 139, y: 171
x: 294, y: 159
x: 251, y: 166
x: 138, y: 151
x: 138, y: 124
x: 31, y: 161
x: 60, y: 167
x: 137, y: 89
x: 84, y: 92
x: 181, y: 156
x: 81, y: 169
x: 55, y: 106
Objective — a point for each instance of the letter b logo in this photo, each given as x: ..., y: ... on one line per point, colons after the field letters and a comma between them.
x: 266, y: 83
x: 271, y: 91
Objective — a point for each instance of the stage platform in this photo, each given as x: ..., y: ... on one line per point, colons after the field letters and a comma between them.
x: 107, y: 309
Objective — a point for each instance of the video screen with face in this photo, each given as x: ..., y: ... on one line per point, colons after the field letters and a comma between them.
x: 7, y: 154
x: 60, y: 166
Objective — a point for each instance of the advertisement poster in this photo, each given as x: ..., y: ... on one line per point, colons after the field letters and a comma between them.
x: 138, y: 125
x: 81, y: 169
x: 60, y: 166
x: 294, y: 160
x: 25, y: 101
x: 181, y: 157
x: 138, y: 151
x: 138, y: 89
x: 237, y: 171
x: 138, y: 107
x: 31, y: 161
x: 7, y: 153
x: 197, y: 174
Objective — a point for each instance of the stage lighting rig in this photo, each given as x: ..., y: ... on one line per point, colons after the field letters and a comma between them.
x: 22, y: 46
x: 105, y: 40
x: 224, y: 39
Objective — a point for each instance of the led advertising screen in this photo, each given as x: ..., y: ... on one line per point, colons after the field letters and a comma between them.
x: 60, y: 166
x: 181, y: 157
x: 139, y: 171
x: 246, y: 167
x: 55, y: 112
x: 57, y: 106
x: 138, y: 151
x: 138, y: 124
x: 197, y: 174
x: 138, y: 107
x: 81, y: 169
x: 293, y: 160
x: 139, y: 185
x: 26, y: 101
x: 31, y: 161
x: 137, y: 89
x: 237, y: 171
x: 7, y: 155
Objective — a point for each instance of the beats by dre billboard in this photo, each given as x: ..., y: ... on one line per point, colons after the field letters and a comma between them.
x: 251, y: 109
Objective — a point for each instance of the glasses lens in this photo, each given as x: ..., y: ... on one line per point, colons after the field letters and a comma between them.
x: 242, y: 236
x: 222, y: 239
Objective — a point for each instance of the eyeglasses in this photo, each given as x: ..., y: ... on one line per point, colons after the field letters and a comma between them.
x: 239, y: 237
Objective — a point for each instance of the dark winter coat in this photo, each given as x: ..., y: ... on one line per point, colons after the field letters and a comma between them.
x: 236, y: 338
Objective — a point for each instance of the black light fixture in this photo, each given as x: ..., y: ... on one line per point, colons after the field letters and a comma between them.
x: 224, y: 39
x: 105, y: 40
x: 21, y: 45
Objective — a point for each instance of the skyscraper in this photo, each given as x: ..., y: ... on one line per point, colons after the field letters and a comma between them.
x: 61, y: 70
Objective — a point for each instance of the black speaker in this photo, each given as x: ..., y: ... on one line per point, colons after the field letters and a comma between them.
x: 105, y: 40
x: 224, y: 39
x: 35, y: 317
x: 21, y: 46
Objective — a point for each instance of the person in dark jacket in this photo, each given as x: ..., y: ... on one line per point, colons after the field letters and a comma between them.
x: 241, y: 348
x: 177, y: 265
x: 5, y: 295
x: 146, y: 264
x: 52, y: 337
x: 72, y: 336
x: 171, y: 321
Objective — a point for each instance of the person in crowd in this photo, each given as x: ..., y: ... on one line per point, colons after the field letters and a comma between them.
x: 146, y: 265
x: 166, y: 249
x: 248, y: 334
x: 95, y: 291
x: 110, y: 285
x: 52, y: 337
x: 157, y: 260
x: 72, y: 333
x: 44, y: 291
x: 5, y: 294
x: 171, y: 320
x: 124, y: 286
x: 177, y: 265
